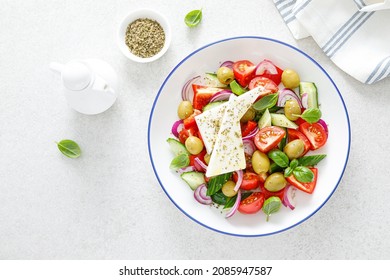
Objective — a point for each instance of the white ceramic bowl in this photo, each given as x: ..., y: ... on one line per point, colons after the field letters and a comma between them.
x: 255, y: 49
x: 137, y: 14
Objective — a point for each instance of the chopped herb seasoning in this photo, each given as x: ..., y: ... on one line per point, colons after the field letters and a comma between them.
x: 145, y: 37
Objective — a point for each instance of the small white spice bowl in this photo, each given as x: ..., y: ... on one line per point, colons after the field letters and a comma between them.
x: 138, y: 14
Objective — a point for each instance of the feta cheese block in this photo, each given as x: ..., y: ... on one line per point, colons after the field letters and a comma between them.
x: 228, y: 152
x: 208, y: 124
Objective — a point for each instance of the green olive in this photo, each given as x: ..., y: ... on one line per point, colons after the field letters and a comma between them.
x: 290, y: 78
x: 194, y: 145
x: 275, y: 182
x: 292, y: 111
x: 249, y: 115
x: 294, y: 149
x: 185, y: 109
x: 225, y: 75
x: 260, y: 162
x: 228, y: 189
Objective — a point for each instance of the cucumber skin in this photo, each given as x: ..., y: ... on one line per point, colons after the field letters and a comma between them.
x: 177, y: 147
x: 311, y: 89
x: 281, y: 120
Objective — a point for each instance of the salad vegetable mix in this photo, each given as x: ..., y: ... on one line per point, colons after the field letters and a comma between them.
x: 246, y: 137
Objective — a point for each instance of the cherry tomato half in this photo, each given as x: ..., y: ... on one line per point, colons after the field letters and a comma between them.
x: 244, y: 71
x: 250, y: 180
x: 265, y: 82
x: 268, y: 138
x: 315, y: 133
x: 252, y: 203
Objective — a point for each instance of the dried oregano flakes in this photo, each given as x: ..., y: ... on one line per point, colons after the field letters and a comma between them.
x: 145, y: 37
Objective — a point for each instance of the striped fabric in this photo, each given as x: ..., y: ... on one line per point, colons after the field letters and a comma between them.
x: 358, y: 42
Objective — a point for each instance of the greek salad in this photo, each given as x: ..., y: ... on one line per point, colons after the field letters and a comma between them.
x: 247, y: 137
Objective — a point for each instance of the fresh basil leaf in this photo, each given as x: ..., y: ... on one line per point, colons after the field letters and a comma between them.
x: 230, y: 202
x: 180, y: 161
x: 288, y: 171
x: 303, y: 174
x: 294, y: 163
x: 219, y: 198
x: 265, y: 102
x: 279, y: 158
x: 193, y: 18
x: 216, y: 183
x: 311, y: 115
x: 274, y: 168
x: 69, y: 148
x: 311, y: 160
x: 271, y: 205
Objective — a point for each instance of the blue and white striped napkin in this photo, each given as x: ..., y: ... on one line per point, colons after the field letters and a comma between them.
x: 357, y: 42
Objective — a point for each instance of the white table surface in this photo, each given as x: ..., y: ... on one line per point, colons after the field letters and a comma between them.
x: 108, y: 204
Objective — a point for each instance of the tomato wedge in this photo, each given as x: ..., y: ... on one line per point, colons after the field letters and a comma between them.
x: 315, y: 133
x: 306, y: 187
x: 268, y: 138
x: 248, y: 127
x: 295, y: 134
x: 244, y: 71
x: 202, y: 95
x: 276, y: 78
x: 190, y: 122
x: 252, y: 203
x: 250, y: 180
x: 265, y: 82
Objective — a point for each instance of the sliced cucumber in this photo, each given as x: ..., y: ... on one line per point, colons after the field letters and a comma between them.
x: 310, y: 89
x: 283, y: 121
x: 193, y: 178
x: 265, y: 119
x: 212, y: 105
x: 177, y: 147
x: 236, y: 88
x: 211, y: 80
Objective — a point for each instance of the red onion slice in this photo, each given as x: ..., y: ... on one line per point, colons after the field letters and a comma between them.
x: 221, y: 95
x: 287, y: 94
x: 324, y: 125
x: 288, y: 197
x: 186, y: 91
x: 228, y: 64
x: 240, y: 176
x: 249, y: 146
x: 200, y: 195
x: 251, y: 134
x: 186, y: 169
x: 175, y: 127
x: 304, y: 98
x: 199, y: 165
x: 265, y: 66
x: 233, y: 210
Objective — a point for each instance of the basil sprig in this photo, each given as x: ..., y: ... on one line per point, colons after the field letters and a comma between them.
x: 216, y: 183
x: 265, y: 102
x: 271, y: 205
x: 301, y: 173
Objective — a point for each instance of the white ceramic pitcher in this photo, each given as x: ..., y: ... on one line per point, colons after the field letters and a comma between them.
x: 90, y: 85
